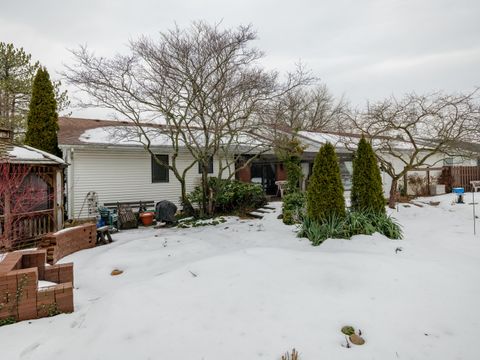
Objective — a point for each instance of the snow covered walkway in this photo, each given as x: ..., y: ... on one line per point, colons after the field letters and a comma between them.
x: 249, y: 289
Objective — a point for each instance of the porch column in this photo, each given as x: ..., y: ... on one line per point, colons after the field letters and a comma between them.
x: 58, y: 201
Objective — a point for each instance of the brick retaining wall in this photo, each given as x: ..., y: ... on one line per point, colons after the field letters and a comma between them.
x: 20, y: 297
x: 68, y: 241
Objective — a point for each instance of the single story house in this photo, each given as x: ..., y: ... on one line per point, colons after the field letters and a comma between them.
x: 114, y: 168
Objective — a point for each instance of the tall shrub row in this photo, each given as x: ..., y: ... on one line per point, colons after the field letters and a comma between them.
x: 326, y: 215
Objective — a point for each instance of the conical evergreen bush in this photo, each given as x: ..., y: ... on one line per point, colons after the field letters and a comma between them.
x: 42, y: 120
x: 325, y: 189
x: 367, y: 190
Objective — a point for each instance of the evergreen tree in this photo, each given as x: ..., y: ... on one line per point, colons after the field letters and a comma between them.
x: 17, y: 71
x: 325, y: 189
x: 367, y: 190
x: 290, y: 151
x: 42, y: 120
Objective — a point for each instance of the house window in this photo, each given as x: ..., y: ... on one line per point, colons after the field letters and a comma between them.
x: 210, y: 165
x: 160, y: 172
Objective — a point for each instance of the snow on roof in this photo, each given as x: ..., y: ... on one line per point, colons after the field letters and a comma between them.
x: 25, y: 153
x: 122, y: 136
x: 347, y: 141
x: 322, y: 137
x: 131, y: 136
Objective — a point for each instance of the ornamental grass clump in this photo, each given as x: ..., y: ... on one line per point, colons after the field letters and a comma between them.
x: 317, y: 232
x: 354, y: 223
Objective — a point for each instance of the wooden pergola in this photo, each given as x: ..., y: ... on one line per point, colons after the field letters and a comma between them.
x: 31, y: 194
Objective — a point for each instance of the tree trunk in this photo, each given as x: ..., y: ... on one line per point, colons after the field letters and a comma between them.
x: 205, y: 190
x: 186, y: 204
x: 392, y: 200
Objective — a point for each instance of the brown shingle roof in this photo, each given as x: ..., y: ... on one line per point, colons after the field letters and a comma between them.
x: 70, y: 129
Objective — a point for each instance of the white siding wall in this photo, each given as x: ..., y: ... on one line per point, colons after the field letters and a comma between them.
x: 123, y: 175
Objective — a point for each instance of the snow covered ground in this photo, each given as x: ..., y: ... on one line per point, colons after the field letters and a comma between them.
x: 249, y: 289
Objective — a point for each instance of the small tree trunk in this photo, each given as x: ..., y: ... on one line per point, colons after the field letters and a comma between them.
x: 187, y: 205
x: 392, y: 200
x: 205, y: 190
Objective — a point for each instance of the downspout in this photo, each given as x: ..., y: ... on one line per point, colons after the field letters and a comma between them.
x: 70, y: 182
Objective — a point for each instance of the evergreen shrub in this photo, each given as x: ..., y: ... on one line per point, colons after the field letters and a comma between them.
x: 230, y: 196
x: 325, y: 189
x: 367, y: 190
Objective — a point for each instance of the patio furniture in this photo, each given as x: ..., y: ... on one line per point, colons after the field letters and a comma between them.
x: 103, y: 232
x: 281, y: 184
x: 165, y: 212
x: 475, y: 185
x: 125, y: 211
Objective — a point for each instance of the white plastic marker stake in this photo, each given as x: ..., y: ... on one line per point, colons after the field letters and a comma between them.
x: 474, y: 217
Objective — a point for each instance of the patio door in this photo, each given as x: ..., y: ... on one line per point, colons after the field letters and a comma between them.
x: 264, y: 174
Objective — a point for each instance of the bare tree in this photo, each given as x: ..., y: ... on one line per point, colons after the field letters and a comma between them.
x: 309, y: 109
x: 205, y: 84
x: 407, y: 133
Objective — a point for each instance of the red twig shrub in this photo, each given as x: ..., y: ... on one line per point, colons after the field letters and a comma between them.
x: 22, y: 194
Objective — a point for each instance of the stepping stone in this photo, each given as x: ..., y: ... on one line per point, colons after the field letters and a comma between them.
x: 356, y: 339
x: 262, y: 211
x: 268, y: 207
x: 256, y: 216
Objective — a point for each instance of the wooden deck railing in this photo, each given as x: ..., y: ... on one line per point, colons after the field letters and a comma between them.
x: 25, y: 229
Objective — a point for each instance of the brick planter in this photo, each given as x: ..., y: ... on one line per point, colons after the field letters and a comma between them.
x: 20, y: 297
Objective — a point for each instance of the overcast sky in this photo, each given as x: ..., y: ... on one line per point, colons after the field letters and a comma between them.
x: 363, y: 49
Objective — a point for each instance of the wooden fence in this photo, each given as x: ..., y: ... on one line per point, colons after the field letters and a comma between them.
x: 459, y: 176
x: 26, y: 229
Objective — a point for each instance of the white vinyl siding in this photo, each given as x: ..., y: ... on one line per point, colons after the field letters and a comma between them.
x: 123, y: 175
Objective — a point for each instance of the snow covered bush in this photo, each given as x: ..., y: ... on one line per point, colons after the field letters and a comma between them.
x: 293, y: 208
x: 230, y: 196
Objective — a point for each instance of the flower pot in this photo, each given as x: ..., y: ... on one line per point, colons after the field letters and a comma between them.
x: 147, y: 218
